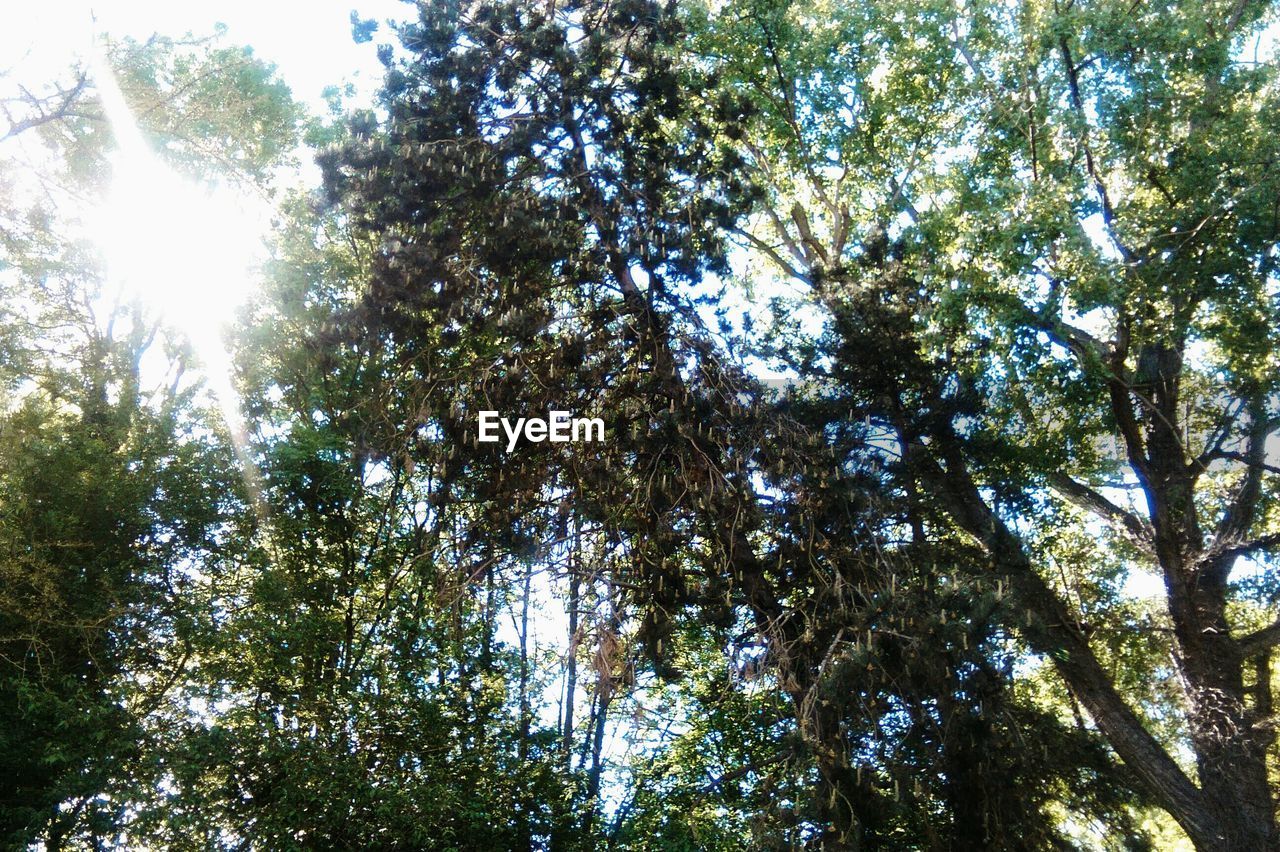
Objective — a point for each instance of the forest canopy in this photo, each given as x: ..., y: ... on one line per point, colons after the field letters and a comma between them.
x: 936, y: 352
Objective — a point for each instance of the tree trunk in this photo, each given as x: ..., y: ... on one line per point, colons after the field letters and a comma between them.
x: 571, y: 661
x: 523, y: 827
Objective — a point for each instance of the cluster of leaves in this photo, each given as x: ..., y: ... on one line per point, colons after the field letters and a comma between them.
x: 884, y: 608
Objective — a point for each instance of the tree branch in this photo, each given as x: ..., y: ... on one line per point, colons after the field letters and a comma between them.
x: 1134, y: 529
x: 775, y: 256
x: 1099, y: 186
x: 1245, y: 459
x: 1240, y: 513
x: 1049, y: 630
x: 66, y: 100
x: 1260, y: 640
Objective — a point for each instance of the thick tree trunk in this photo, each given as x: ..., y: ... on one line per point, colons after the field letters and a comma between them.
x: 1232, y: 809
x: 1049, y: 630
x: 1229, y: 743
x: 841, y: 798
x: 1230, y: 747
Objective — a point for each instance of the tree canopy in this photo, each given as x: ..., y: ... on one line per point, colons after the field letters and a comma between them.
x: 936, y: 349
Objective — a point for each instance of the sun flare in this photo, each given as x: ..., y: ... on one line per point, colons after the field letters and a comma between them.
x: 186, y: 252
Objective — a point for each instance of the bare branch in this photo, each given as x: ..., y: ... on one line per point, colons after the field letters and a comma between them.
x: 47, y: 109
x: 1133, y: 528
x: 1099, y: 186
x: 1075, y: 340
x: 1221, y: 432
x: 1248, y: 548
x: 1244, y: 459
x: 774, y: 255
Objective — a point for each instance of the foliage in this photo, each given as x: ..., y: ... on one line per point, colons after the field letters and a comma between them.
x: 1019, y: 261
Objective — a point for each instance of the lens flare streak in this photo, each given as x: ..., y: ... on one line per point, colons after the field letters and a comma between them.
x: 184, y: 251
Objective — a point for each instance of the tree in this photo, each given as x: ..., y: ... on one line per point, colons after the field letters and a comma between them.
x: 355, y: 691
x: 1044, y: 238
x: 547, y: 190
x: 1020, y: 265
x: 112, y: 482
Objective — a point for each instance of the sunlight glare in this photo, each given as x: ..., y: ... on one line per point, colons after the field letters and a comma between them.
x: 186, y: 252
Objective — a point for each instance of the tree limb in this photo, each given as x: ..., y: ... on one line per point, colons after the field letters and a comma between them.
x: 42, y: 114
x: 1099, y: 186
x: 1240, y: 513
x: 1049, y: 630
x: 1134, y: 529
x: 1261, y: 640
x: 774, y: 255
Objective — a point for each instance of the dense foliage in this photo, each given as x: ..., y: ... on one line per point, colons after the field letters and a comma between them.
x: 1016, y: 266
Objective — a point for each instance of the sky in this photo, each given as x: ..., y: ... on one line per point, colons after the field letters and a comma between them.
x: 308, y: 40
x: 189, y: 253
